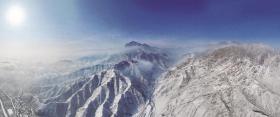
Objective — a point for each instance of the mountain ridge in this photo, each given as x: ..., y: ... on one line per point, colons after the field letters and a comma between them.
x: 121, y: 91
x: 227, y: 81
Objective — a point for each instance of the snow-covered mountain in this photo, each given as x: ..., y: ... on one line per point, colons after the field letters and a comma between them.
x: 233, y: 80
x: 227, y: 80
x: 119, y: 86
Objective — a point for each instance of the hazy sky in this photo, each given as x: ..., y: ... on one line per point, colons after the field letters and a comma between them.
x: 93, y: 22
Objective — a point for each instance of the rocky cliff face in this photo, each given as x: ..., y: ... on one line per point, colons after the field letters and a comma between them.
x: 231, y: 81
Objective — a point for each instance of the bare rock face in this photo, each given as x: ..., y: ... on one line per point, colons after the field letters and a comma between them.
x: 232, y: 81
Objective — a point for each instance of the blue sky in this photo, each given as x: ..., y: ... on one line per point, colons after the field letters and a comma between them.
x: 185, y: 19
x: 177, y: 19
x: 113, y: 21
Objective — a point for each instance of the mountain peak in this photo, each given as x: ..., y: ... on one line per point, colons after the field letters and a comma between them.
x: 134, y: 43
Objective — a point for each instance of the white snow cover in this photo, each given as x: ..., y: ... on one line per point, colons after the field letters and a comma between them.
x: 228, y: 80
x: 123, y: 90
x: 231, y: 81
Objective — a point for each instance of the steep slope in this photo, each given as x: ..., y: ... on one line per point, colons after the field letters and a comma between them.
x: 119, y: 91
x: 102, y: 94
x: 237, y: 80
x: 52, y: 87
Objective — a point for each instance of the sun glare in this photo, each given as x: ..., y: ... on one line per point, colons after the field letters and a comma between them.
x: 15, y: 15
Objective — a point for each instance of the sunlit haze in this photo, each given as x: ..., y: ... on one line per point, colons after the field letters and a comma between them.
x: 15, y: 15
x: 42, y: 29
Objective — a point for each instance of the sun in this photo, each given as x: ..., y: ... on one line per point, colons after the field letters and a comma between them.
x: 15, y: 15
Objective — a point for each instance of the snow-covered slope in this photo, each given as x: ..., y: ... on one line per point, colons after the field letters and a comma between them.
x: 228, y: 80
x: 108, y: 93
x: 121, y: 90
x: 236, y: 80
x: 52, y: 87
